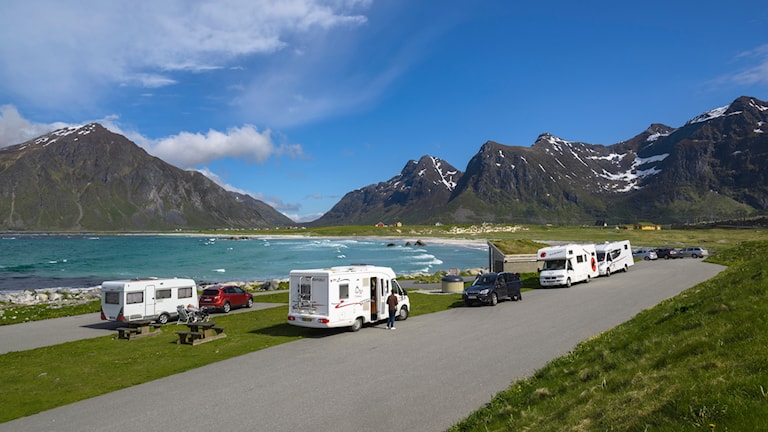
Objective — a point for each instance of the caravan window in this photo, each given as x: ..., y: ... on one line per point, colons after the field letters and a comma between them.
x: 134, y: 297
x: 112, y: 298
x: 185, y: 292
x: 163, y: 294
x: 343, y: 291
x: 580, y: 258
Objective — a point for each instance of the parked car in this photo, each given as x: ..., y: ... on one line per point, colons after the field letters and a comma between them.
x: 694, y: 252
x: 645, y: 254
x: 225, y: 297
x: 667, y: 253
x: 489, y: 288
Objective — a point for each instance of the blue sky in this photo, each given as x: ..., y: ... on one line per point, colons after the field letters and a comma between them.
x: 298, y: 102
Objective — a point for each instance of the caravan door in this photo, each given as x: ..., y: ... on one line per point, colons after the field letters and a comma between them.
x: 149, y: 301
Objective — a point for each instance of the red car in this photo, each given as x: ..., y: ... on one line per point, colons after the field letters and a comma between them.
x: 225, y: 297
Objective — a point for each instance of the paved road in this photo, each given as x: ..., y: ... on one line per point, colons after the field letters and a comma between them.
x: 431, y: 372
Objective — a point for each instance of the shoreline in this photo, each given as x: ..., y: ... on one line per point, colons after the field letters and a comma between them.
x: 58, y: 296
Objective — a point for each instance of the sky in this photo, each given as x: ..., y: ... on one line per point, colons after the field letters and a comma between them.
x: 298, y: 102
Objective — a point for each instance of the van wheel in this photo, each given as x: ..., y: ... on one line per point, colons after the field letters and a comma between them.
x: 626, y: 268
x: 568, y: 283
x: 227, y: 307
x: 494, y: 299
x: 357, y: 325
x: 403, y: 315
x: 163, y: 318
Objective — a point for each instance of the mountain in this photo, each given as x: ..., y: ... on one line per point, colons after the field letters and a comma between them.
x: 88, y: 178
x: 420, y: 190
x: 713, y: 167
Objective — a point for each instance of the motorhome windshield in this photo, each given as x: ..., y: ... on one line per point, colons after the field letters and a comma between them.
x: 601, y: 256
x: 554, y: 265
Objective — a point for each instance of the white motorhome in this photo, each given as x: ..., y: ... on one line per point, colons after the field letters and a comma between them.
x: 567, y: 264
x: 613, y: 257
x: 344, y: 296
x: 146, y: 299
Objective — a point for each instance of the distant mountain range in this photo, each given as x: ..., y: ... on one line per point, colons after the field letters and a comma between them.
x: 88, y: 178
x: 713, y: 167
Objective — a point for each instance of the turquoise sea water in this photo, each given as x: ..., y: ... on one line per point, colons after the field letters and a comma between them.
x: 48, y: 261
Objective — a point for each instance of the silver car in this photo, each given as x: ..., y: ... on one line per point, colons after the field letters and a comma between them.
x: 644, y: 254
x: 693, y: 252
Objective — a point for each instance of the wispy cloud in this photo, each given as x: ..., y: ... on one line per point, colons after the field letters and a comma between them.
x: 757, y: 71
x: 77, y: 51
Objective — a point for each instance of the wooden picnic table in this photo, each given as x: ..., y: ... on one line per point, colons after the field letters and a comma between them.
x: 138, y: 328
x: 200, y: 332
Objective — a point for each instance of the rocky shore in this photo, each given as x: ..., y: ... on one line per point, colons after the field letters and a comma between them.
x: 57, y: 297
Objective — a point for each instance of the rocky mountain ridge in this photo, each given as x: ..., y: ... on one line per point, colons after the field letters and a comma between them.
x: 712, y: 167
x: 88, y: 178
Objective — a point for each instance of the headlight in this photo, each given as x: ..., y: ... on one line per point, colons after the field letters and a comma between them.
x: 484, y: 292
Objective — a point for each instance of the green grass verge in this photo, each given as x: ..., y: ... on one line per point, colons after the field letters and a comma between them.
x: 44, y: 378
x: 695, y: 362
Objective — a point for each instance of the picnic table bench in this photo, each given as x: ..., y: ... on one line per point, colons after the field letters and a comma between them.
x: 200, y: 332
x: 137, y: 329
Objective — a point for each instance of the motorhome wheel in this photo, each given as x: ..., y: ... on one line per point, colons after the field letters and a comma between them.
x: 163, y: 319
x: 357, y: 325
x: 403, y: 315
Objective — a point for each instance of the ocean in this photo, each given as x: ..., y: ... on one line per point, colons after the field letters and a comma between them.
x: 83, y: 261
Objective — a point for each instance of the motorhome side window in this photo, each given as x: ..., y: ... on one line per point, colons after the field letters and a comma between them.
x: 134, y: 297
x: 112, y: 298
x: 163, y: 294
x: 343, y: 291
x: 185, y: 292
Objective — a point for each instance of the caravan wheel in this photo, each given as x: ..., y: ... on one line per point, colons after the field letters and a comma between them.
x: 163, y: 318
x: 357, y: 325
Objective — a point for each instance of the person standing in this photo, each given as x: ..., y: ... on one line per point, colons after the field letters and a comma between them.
x: 392, y: 301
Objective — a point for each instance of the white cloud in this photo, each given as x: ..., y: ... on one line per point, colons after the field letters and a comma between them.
x: 15, y: 129
x: 188, y: 149
x: 78, y: 50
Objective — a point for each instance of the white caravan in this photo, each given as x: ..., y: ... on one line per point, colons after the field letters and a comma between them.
x: 146, y: 299
x: 344, y: 296
x: 613, y: 257
x: 567, y: 264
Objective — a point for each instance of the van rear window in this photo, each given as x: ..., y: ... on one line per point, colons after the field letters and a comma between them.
x: 111, y: 298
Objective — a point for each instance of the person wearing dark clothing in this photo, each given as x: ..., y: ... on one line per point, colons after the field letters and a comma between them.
x: 392, y: 303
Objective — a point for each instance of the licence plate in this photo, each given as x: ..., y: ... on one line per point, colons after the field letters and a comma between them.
x: 471, y: 297
x: 305, y: 319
